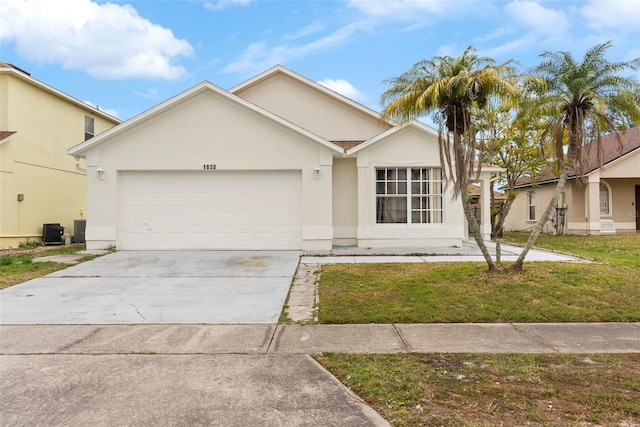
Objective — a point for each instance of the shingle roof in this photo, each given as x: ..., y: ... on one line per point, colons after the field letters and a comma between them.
x: 611, y: 150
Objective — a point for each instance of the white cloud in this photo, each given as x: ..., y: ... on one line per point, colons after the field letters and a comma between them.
x: 405, y: 10
x: 106, y: 40
x: 620, y: 15
x: 536, y: 18
x: 259, y: 56
x: 149, y: 93
x: 109, y: 111
x: 305, y: 31
x: 343, y: 87
x: 224, y: 4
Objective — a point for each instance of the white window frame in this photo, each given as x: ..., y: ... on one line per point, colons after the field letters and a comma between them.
x: 531, y: 205
x: 420, y: 188
x: 607, y: 188
x: 89, y: 127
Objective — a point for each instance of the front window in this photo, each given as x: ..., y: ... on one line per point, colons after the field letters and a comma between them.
x: 604, y: 199
x: 409, y: 196
x: 531, y: 201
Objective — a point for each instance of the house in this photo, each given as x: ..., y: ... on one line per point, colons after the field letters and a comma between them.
x: 277, y: 162
x: 605, y: 202
x: 39, y: 183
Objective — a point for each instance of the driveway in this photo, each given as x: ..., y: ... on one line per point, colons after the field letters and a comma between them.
x: 210, y: 287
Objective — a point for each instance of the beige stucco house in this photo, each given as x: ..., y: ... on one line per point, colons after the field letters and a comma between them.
x: 277, y: 162
x: 39, y: 182
x: 606, y: 202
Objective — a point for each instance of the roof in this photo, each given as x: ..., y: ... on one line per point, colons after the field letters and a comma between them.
x: 81, y: 149
x: 611, y: 152
x: 6, y: 68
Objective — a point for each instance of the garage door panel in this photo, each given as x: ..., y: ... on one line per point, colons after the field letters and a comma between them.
x: 219, y: 210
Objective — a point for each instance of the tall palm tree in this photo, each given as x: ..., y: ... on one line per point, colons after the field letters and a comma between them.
x: 452, y: 88
x: 581, y: 100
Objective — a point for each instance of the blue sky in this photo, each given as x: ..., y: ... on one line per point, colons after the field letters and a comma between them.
x: 127, y: 56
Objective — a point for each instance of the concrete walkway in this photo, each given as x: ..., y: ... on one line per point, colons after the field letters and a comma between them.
x: 312, y: 339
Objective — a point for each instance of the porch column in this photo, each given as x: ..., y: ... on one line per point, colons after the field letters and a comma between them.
x: 485, y: 207
x: 592, y: 200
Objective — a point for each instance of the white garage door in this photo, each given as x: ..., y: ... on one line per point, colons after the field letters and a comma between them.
x: 209, y: 210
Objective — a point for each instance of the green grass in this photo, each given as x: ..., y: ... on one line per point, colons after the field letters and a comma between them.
x: 18, y: 266
x: 466, y: 292
x: 607, y: 290
x: 487, y: 390
x: 619, y: 249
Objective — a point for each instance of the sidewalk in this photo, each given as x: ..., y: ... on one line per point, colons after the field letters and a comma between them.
x: 311, y: 339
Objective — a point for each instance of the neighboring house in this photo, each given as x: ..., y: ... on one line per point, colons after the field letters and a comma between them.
x: 277, y: 162
x: 39, y: 182
x: 607, y: 201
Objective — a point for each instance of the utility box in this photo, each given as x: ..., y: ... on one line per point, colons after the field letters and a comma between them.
x: 52, y: 234
x: 79, y: 227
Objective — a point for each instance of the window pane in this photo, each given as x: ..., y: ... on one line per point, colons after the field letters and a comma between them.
x: 415, y: 203
x: 415, y: 174
x: 415, y: 188
x: 391, y: 174
x: 391, y: 188
x: 391, y: 210
x: 402, y: 188
x: 415, y: 217
x: 402, y: 174
x: 380, y: 174
x: 424, y: 188
x: 380, y: 187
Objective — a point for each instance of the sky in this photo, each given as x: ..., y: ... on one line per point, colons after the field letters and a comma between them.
x: 127, y: 56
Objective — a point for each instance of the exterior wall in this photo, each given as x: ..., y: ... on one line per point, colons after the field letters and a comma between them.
x: 345, y: 202
x: 312, y: 109
x: 577, y: 197
x: 34, y: 161
x: 622, y: 210
x: 408, y: 147
x: 517, y: 219
x: 210, y: 129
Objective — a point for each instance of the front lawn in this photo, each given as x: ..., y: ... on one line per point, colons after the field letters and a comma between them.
x: 607, y: 290
x: 17, y: 266
x: 495, y: 390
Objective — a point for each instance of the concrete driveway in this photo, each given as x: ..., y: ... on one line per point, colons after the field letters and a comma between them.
x: 211, y: 287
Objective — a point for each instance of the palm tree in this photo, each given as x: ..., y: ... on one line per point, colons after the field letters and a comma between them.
x: 452, y: 88
x: 581, y: 100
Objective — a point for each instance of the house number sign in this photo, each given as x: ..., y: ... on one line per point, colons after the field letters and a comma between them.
x: 208, y: 167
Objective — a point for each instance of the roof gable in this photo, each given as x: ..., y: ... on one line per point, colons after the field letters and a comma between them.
x: 413, y: 124
x: 80, y: 150
x: 312, y: 106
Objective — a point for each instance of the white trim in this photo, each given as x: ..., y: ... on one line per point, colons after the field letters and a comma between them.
x: 609, y: 201
x: 399, y: 128
x: 81, y: 149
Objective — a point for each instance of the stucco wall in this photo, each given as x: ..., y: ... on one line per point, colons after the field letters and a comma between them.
x: 409, y: 147
x: 210, y: 129
x: 345, y: 202
x: 312, y: 109
x: 34, y: 161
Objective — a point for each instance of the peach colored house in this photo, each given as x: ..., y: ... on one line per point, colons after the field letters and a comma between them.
x: 607, y: 202
x: 39, y: 182
x: 277, y: 162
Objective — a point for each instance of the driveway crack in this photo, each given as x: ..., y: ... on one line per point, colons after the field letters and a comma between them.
x: 132, y: 305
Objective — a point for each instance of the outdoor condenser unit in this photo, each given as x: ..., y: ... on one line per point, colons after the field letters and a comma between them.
x: 79, y: 227
x: 52, y: 234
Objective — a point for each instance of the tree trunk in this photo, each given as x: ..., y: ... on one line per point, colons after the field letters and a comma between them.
x: 474, y: 230
x: 571, y: 159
